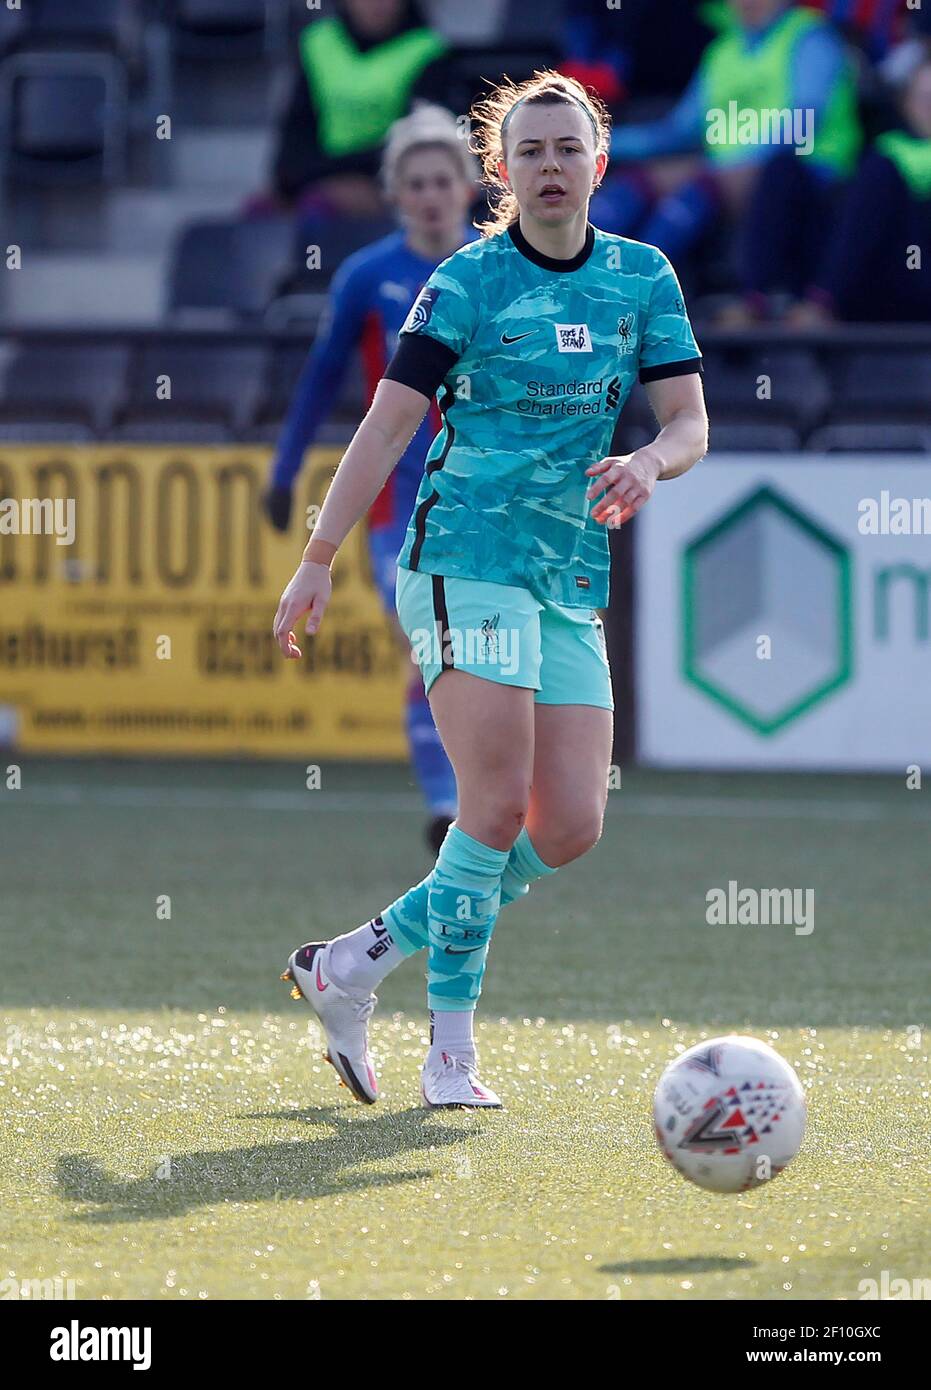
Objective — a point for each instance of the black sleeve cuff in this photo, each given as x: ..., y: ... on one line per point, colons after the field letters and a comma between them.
x: 665, y: 369
x: 420, y: 362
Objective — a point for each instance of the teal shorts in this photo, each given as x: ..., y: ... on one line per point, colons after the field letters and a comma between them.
x: 505, y: 634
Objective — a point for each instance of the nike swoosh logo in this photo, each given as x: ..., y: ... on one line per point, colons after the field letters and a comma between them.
x: 451, y: 950
x: 506, y: 338
x: 320, y: 985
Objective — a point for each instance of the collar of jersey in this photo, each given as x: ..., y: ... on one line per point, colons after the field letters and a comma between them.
x: 552, y: 262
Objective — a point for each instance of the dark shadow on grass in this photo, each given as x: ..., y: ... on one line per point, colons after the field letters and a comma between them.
x: 696, y: 1264
x: 275, y: 1172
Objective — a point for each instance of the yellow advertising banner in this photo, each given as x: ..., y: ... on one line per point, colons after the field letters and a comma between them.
x: 138, y: 585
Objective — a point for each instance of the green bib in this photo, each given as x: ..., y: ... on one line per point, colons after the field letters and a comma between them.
x: 358, y: 95
x: 912, y: 158
x: 760, y: 81
x: 717, y: 14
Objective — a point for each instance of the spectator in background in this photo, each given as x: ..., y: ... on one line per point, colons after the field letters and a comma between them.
x: 869, y: 271
x: 914, y: 42
x: 625, y: 53
x: 357, y: 71
x: 769, y: 55
x: 873, y: 25
x: 430, y: 178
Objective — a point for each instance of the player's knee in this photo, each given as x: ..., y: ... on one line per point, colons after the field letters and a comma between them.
x: 507, y: 813
x: 574, y: 836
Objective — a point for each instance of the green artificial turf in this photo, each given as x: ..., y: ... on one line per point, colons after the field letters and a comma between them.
x: 168, y: 1128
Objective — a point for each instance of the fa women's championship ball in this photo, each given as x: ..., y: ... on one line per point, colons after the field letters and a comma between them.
x: 729, y: 1113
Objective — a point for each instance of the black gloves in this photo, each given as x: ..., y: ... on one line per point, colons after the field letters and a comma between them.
x: 277, y: 504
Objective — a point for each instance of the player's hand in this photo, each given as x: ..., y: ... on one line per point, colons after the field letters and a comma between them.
x: 623, y: 482
x: 277, y: 504
x: 308, y: 592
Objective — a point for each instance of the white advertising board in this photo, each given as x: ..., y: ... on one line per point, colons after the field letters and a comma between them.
x: 784, y: 614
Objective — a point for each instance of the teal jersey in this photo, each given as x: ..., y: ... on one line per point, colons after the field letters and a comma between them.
x: 546, y: 352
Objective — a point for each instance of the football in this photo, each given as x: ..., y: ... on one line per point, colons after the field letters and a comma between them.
x: 729, y: 1113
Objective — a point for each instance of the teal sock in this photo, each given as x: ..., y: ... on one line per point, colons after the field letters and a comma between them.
x: 524, y: 866
x: 407, y: 917
x: 462, y: 907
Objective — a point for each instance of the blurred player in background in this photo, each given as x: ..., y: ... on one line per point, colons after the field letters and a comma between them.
x: 358, y: 67
x: 770, y: 55
x: 865, y: 277
x: 534, y: 337
x: 431, y: 178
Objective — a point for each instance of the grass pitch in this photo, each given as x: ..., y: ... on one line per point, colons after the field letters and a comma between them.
x: 168, y: 1128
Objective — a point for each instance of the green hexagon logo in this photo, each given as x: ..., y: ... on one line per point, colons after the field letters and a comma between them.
x: 765, y: 568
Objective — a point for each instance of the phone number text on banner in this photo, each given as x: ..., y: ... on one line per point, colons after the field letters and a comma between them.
x: 138, y: 586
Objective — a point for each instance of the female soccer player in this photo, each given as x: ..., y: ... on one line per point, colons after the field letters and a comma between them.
x: 533, y: 337
x: 431, y: 178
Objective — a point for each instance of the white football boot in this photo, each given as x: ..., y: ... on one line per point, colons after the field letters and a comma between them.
x: 452, y: 1084
x: 343, y: 1014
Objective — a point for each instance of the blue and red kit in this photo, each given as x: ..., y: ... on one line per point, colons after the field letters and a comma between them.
x: 370, y: 297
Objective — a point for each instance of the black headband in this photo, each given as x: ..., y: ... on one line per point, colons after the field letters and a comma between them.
x: 562, y: 96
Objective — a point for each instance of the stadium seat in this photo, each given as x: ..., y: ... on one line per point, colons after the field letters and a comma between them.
x: 214, y: 391
x: 752, y: 436
x: 220, y: 30
x: 198, y: 275
x: 12, y: 28
x: 229, y: 266
x: 895, y: 385
x: 481, y: 21
x: 300, y: 296
x: 797, y: 389
x: 52, y: 391
x: 494, y: 23
x: 183, y: 429
x: 97, y: 23
x: 18, y: 430
x: 541, y: 22
x: 892, y: 436
x: 284, y: 366
x: 63, y: 117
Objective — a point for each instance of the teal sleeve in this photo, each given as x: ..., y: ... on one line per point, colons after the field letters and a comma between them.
x: 446, y: 308
x: 667, y: 337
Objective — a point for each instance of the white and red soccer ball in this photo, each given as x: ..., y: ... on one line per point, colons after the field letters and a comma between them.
x: 729, y: 1113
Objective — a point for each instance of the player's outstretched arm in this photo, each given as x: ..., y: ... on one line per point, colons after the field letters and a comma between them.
x: 378, y: 443
x: 623, y: 483
x: 319, y: 386
x: 678, y: 403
